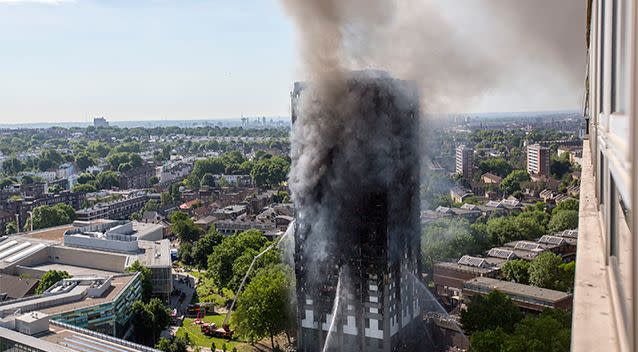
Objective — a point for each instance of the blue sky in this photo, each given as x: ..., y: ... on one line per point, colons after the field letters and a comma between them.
x: 143, y: 59
x: 72, y: 60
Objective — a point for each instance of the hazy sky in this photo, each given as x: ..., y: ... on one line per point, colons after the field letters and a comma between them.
x: 178, y: 59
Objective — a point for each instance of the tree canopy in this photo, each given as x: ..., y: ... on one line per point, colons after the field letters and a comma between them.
x: 449, y: 238
x: 149, y: 319
x: 263, y: 308
x: 563, y: 220
x: 45, y: 216
x: 547, y: 332
x: 490, y: 312
x: 145, y: 278
x: 512, y: 182
x: 50, y: 278
x: 230, y: 259
x: 547, y: 271
x: 516, y: 270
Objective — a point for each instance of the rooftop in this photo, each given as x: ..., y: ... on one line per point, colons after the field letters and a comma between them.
x: 513, y: 288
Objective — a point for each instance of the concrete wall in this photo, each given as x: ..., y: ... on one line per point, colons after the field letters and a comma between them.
x: 89, y: 259
x: 101, y: 244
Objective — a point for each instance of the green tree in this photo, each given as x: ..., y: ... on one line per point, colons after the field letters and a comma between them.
x: 495, y: 310
x: 516, y: 270
x: 449, y: 238
x: 544, y: 271
x: 12, y: 166
x: 563, y: 220
x: 153, y: 180
x: 263, y: 309
x: 107, y: 180
x: 549, y: 332
x: 174, y: 344
x: 184, y: 227
x: 497, y: 166
x: 99, y: 149
x: 185, y: 253
x: 146, y: 277
x: 149, y: 319
x: 84, y: 188
x: 567, y: 204
x: 511, y: 228
x: 222, y: 261
x: 512, y: 182
x: 49, y: 279
x: 45, y: 216
x: 270, y: 172
x: 11, y: 228
x: 86, y: 177
x: 559, y: 166
x: 204, y: 247
x: 488, y: 340
x: 56, y: 188
x: 84, y: 160
x: 208, y: 180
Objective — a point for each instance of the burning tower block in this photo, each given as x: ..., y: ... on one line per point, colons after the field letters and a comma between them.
x: 357, y: 243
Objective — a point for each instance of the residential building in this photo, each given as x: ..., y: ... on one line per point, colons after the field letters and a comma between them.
x: 100, y: 122
x: 37, y: 332
x: 537, y: 160
x: 465, y: 161
x: 526, y: 297
x: 605, y: 316
x: 100, y: 303
x: 449, y: 277
x: 489, y: 178
x: 137, y: 177
x: 116, y: 210
x: 101, y: 248
x: 372, y: 243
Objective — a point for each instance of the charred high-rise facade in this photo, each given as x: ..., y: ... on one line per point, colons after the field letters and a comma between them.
x: 357, y: 244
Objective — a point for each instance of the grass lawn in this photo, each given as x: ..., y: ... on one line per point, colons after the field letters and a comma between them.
x: 199, y: 339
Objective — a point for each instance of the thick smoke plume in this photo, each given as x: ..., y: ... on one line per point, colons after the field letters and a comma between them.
x: 460, y: 52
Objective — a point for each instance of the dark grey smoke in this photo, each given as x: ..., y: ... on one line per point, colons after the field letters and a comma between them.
x: 460, y: 52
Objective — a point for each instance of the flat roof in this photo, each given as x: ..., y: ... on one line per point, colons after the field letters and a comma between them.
x: 51, y: 234
x: 155, y: 254
x: 77, y: 341
x: 74, y: 270
x: 466, y: 268
x: 513, y: 288
x: 27, y: 340
x: 118, y: 284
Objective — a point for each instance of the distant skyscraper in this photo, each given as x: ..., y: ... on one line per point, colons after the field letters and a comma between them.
x: 100, y: 122
x: 537, y: 160
x: 464, y: 161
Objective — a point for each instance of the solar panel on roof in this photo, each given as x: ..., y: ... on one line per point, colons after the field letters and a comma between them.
x: 551, y: 240
x: 472, y: 261
x: 501, y: 253
x: 527, y: 246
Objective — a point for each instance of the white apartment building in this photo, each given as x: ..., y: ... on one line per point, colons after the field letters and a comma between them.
x: 605, y: 316
x: 537, y: 160
x: 464, y: 161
